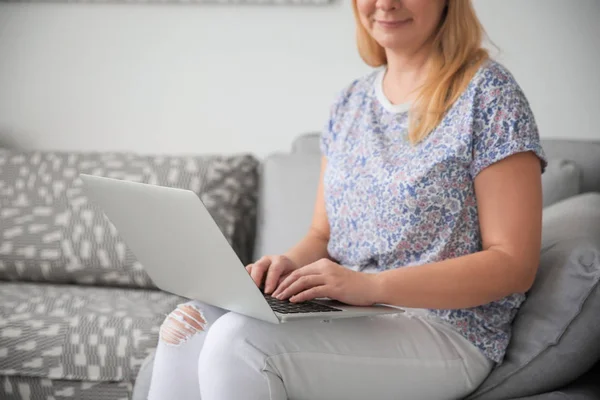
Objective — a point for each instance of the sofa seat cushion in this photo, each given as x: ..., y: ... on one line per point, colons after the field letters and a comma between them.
x: 26, y: 388
x: 64, y: 332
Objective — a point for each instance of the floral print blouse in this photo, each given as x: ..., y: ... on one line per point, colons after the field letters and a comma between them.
x: 391, y: 204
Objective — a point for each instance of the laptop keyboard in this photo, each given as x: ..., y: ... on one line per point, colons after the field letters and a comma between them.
x: 287, y: 307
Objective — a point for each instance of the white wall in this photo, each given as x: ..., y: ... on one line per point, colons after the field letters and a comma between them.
x: 192, y: 78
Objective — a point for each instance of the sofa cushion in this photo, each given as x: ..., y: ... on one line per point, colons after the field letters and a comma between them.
x: 561, y: 180
x: 141, y: 387
x: 74, y: 333
x: 586, y: 387
x: 49, y: 231
x: 26, y: 388
x: 287, y: 193
x: 585, y: 153
x: 557, y: 330
x: 307, y: 143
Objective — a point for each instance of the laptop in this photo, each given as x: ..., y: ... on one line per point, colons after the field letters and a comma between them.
x: 184, y: 252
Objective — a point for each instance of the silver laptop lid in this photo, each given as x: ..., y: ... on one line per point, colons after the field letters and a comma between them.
x: 173, y: 235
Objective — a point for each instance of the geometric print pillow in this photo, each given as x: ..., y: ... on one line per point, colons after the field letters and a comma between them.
x: 51, y: 232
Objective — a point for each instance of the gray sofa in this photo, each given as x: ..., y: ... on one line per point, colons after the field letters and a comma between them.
x: 79, y: 318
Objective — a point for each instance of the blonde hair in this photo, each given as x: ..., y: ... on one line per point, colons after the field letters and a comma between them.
x: 457, y: 55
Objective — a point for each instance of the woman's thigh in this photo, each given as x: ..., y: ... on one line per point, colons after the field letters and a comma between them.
x: 380, y: 357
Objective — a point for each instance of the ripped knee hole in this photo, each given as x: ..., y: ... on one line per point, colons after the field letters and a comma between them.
x: 181, y: 324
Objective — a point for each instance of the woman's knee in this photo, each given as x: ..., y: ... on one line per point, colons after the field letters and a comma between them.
x: 226, y: 341
x: 228, y: 331
x: 181, y: 324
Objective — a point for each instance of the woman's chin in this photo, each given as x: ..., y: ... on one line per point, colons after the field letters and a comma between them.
x: 393, y: 44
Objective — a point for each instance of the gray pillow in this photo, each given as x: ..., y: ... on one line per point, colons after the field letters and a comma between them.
x: 50, y: 232
x: 561, y: 180
x: 557, y: 330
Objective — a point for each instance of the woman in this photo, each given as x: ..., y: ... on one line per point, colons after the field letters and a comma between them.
x: 432, y: 162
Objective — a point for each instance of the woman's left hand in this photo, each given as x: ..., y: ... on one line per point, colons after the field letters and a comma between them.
x: 325, y: 278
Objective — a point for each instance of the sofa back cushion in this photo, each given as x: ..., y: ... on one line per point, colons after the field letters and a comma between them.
x: 561, y: 180
x: 584, y: 153
x: 287, y: 190
x: 289, y: 182
x: 49, y: 231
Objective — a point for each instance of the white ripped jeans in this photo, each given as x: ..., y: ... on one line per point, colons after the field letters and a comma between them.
x: 217, y: 355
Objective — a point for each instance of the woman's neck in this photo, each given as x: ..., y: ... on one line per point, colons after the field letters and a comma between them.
x: 406, y: 73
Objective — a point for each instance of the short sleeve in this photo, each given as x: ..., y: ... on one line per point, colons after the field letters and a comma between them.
x: 503, y: 125
x: 331, y: 129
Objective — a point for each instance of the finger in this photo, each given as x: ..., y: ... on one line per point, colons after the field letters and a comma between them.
x: 310, y: 269
x: 302, y: 284
x: 281, y: 279
x: 273, y: 275
x: 311, y: 294
x: 285, y: 282
x: 264, y: 261
x: 258, y: 270
x: 249, y: 268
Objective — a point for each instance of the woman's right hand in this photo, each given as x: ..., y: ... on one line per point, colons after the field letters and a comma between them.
x: 271, y: 269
